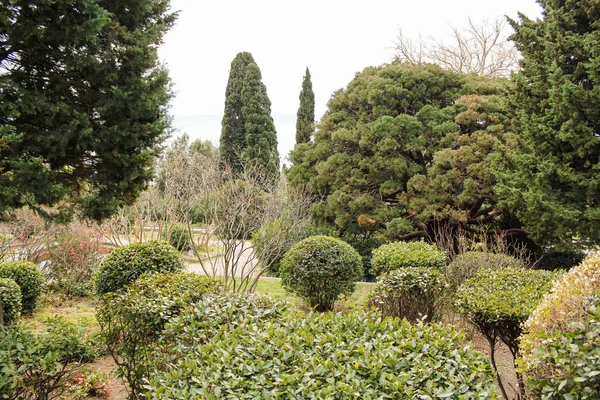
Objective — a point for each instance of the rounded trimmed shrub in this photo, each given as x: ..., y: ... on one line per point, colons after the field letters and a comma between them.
x: 10, y: 294
x: 396, y: 255
x: 560, y: 351
x: 320, y: 269
x: 498, y: 301
x: 329, y: 356
x: 132, y: 319
x: 465, y: 266
x: 125, y: 264
x: 413, y: 293
x: 179, y: 237
x: 29, y: 278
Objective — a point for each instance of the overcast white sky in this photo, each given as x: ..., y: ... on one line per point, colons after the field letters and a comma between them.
x: 334, y: 38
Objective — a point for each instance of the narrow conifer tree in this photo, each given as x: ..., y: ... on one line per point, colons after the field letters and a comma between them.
x: 305, y: 122
x: 261, y: 137
x: 233, y: 135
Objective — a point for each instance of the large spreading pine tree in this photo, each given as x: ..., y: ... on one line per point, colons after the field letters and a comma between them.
x: 233, y: 130
x: 82, y: 102
x: 261, y: 137
x: 553, y: 182
x: 305, y: 122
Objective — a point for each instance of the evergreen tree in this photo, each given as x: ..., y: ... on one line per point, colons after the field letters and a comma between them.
x: 261, y: 137
x: 82, y: 102
x: 553, y: 181
x: 233, y: 134
x: 305, y: 122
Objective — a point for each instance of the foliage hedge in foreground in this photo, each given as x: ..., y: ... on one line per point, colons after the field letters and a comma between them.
x: 320, y: 269
x: 498, y: 301
x: 132, y: 319
x: 10, y: 294
x: 466, y: 265
x: 29, y: 278
x: 327, y: 356
x: 125, y: 264
x: 413, y: 293
x: 560, y: 353
x: 396, y: 255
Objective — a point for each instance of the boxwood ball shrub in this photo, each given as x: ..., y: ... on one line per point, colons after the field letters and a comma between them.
x: 466, y: 265
x: 10, y: 294
x: 560, y: 351
x: 413, y: 293
x: 127, y: 263
x: 29, y: 278
x: 498, y: 301
x: 179, y: 237
x: 396, y: 255
x: 319, y: 269
x: 329, y: 356
x: 131, y: 320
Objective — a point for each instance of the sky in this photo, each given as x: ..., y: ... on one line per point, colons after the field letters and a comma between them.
x: 335, y: 39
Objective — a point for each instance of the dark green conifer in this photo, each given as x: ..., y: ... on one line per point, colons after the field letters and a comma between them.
x: 261, y: 137
x: 233, y: 134
x: 305, y: 122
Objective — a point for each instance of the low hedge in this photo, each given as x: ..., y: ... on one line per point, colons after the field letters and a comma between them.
x: 466, y: 265
x: 29, y: 278
x: 320, y: 269
x: 133, y: 319
x: 560, y: 353
x: 10, y: 296
x: 396, y: 255
x: 327, y: 356
x: 125, y: 264
x: 413, y: 293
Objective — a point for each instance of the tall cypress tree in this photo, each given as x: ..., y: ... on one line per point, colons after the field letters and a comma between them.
x: 261, y: 137
x: 553, y: 182
x: 305, y: 122
x: 233, y: 134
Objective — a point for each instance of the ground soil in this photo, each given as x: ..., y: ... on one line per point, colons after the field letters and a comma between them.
x: 116, y: 388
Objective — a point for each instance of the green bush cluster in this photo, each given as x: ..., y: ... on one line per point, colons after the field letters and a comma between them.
x: 413, y: 293
x: 364, y: 244
x: 10, y: 296
x: 39, y: 365
x: 396, y: 255
x: 179, y: 237
x: 320, y: 269
x: 560, y: 351
x: 125, y: 264
x: 465, y: 266
x: 29, y: 278
x: 327, y: 356
x: 133, y: 319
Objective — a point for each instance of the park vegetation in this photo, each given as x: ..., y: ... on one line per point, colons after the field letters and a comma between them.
x: 468, y: 197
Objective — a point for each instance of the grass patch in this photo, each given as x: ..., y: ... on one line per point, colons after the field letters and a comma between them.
x: 80, y: 311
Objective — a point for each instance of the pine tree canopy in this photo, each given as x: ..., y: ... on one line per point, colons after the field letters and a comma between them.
x: 553, y: 181
x: 233, y: 130
x: 82, y: 102
x: 305, y: 118
x: 261, y: 137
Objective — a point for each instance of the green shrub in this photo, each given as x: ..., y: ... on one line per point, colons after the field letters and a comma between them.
x: 498, y: 301
x: 396, y: 255
x: 553, y: 260
x: 125, y: 264
x: 329, y: 356
x: 364, y: 244
x: 132, y: 319
x: 320, y: 269
x: 213, y: 315
x: 560, y: 351
x: 29, y: 278
x: 35, y: 366
x: 466, y: 265
x: 179, y: 237
x: 11, y: 299
x: 413, y: 293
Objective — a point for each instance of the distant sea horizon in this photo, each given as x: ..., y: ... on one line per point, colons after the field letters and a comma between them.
x: 208, y: 127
